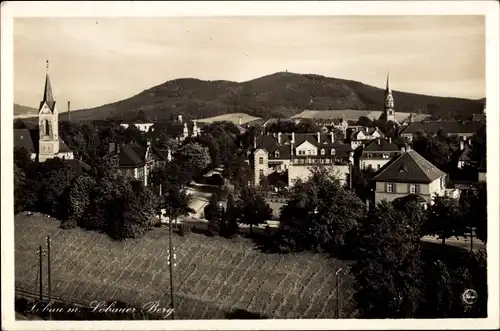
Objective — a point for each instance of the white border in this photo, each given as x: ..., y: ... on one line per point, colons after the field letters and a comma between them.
x: 9, y: 10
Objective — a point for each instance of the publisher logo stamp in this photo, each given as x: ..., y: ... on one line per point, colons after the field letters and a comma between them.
x: 469, y: 297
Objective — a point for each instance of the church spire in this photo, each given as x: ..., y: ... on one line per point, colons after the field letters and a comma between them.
x: 47, y: 93
x: 387, y: 86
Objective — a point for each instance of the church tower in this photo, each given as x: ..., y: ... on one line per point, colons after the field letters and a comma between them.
x: 48, y: 122
x: 389, y: 103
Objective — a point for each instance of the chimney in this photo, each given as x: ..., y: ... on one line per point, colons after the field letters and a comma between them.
x: 279, y: 138
x: 378, y: 141
x: 469, y: 142
x: 319, y: 137
x: 239, y: 120
x: 403, y: 149
x: 332, y: 136
x: 390, y: 140
x: 293, y: 137
x: 69, y: 111
x: 462, y: 145
x: 179, y: 118
x: 254, y: 142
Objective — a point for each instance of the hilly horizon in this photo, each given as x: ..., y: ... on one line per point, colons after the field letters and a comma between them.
x: 282, y: 94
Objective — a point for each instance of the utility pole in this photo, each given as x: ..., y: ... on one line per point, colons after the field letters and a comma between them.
x: 49, y: 273
x: 40, y: 275
x: 170, y: 258
x: 338, y: 289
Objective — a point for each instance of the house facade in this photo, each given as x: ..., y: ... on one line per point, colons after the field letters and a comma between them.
x: 298, y: 154
x: 136, y: 161
x: 378, y: 153
x: 363, y: 135
x: 409, y: 173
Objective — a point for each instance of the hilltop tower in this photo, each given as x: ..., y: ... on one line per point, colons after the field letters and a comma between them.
x: 48, y: 120
x: 389, y: 103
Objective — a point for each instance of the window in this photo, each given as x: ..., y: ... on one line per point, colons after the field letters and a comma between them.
x: 413, y: 189
x: 327, y: 160
x: 322, y: 152
x: 276, y: 154
x: 261, y: 160
x: 385, y: 155
x: 369, y: 155
x: 332, y: 151
x: 390, y: 187
x: 261, y: 173
x: 378, y: 166
x: 309, y: 152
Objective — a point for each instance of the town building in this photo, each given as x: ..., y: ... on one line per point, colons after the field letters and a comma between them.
x: 298, y: 154
x: 461, y: 129
x: 409, y: 173
x: 363, y: 135
x: 136, y: 161
x: 378, y: 153
x: 49, y: 144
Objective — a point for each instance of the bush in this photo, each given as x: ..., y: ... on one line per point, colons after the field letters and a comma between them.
x: 69, y: 223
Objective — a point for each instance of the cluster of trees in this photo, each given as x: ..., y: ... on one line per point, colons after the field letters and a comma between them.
x: 394, y: 270
x: 247, y: 207
x: 101, y: 198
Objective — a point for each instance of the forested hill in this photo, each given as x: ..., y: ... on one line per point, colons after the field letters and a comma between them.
x: 279, y: 94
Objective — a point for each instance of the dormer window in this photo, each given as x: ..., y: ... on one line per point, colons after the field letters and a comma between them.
x: 385, y: 155
x: 369, y: 155
x: 276, y: 154
x: 322, y: 152
x: 332, y: 151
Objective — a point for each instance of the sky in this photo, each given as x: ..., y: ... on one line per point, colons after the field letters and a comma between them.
x: 103, y: 60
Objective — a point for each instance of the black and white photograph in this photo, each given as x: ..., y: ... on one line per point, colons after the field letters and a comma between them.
x: 322, y: 166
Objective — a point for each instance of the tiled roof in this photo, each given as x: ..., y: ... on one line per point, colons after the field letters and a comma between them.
x: 270, y: 144
x: 134, y: 155
x: 446, y: 126
x: 409, y: 167
x: 381, y: 145
x: 22, y: 138
x: 63, y: 148
x: 367, y: 131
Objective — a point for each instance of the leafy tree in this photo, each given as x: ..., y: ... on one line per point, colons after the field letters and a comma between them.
x: 239, y: 172
x: 361, y: 182
x: 213, y: 215
x: 253, y: 208
x: 444, y: 218
x: 21, y: 157
x: 54, y: 179
x: 193, y: 157
x: 414, y: 211
x: 230, y: 227
x: 79, y: 199
x: 364, y: 121
x: 388, y: 271
x: 321, y: 213
x: 19, y: 189
x: 432, y: 149
x: 176, y: 203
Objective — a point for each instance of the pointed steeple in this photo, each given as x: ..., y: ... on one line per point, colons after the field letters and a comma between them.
x: 47, y: 93
x: 387, y: 86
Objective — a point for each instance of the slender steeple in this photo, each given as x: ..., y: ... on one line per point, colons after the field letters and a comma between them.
x: 387, y: 86
x: 47, y: 92
x: 388, y: 114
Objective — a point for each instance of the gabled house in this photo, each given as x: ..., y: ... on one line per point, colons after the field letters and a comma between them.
x: 462, y: 129
x: 136, y: 161
x: 378, y: 153
x: 297, y: 154
x: 364, y: 134
x: 408, y: 173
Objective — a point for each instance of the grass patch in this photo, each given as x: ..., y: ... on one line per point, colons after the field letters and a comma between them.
x: 214, y: 277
